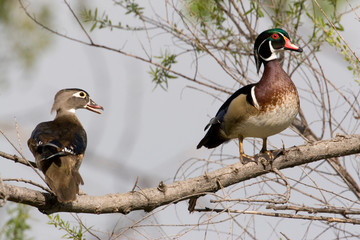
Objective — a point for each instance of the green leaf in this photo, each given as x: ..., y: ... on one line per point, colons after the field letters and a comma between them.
x: 16, y: 227
x: 93, y: 27
x: 161, y: 74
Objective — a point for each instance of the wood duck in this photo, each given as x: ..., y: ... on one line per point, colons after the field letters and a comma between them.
x: 261, y: 109
x: 59, y: 145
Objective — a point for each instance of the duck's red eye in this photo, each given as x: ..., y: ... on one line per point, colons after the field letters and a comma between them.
x: 275, y: 36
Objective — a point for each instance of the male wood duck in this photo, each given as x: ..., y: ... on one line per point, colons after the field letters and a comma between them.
x: 261, y: 109
x: 59, y: 145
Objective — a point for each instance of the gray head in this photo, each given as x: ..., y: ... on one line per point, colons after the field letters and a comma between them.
x: 70, y: 99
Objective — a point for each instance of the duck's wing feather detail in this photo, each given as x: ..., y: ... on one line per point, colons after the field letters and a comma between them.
x: 49, y: 141
x: 58, y: 153
x: 246, y: 90
x: 214, y: 137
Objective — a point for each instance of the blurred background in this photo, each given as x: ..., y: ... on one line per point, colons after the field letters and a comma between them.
x: 144, y: 131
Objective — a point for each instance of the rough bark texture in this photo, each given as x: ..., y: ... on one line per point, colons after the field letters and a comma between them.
x: 151, y: 198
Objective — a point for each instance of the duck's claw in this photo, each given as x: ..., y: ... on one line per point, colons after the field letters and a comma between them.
x: 266, y: 158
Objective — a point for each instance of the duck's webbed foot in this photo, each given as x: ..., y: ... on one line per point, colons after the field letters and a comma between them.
x: 244, y: 159
x: 81, y: 192
x: 266, y: 157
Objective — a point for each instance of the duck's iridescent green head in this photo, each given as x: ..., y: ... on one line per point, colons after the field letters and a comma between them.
x: 269, y: 42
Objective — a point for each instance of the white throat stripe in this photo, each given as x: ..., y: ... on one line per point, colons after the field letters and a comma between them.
x: 253, y: 97
x: 273, y: 55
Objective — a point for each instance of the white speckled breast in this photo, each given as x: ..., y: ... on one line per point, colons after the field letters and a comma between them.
x: 276, y: 104
x: 271, y: 121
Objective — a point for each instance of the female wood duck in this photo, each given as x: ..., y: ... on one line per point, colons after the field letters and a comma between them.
x: 59, y: 145
x: 261, y: 109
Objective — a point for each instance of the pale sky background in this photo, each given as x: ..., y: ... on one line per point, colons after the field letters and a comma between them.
x: 142, y: 132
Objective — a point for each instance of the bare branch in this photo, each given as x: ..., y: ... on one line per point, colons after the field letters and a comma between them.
x: 151, y: 198
x: 341, y: 211
x: 78, y: 21
x: 92, y: 43
x: 17, y: 159
x: 26, y: 181
x: 286, y: 215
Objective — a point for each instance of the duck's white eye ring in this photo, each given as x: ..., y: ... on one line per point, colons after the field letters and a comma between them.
x: 80, y: 94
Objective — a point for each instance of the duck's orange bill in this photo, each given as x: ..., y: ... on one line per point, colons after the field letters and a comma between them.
x: 290, y: 46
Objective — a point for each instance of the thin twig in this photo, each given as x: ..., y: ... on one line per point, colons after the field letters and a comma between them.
x: 21, y: 154
x: 135, y: 185
x: 288, y: 189
x: 285, y: 215
x: 93, y: 44
x: 313, y: 210
x: 78, y: 219
x: 78, y: 21
x: 335, y: 29
x: 27, y: 181
x: 17, y: 159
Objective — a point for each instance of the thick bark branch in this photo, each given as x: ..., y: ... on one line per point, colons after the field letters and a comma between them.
x: 303, y: 127
x: 151, y: 198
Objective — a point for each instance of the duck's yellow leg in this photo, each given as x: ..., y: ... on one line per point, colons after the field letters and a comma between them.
x: 243, y: 157
x: 264, y: 146
x: 268, y: 155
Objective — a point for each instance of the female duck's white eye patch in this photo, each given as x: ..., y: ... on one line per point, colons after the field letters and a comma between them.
x: 80, y: 94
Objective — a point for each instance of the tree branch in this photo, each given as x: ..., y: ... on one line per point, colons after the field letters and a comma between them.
x: 285, y: 215
x: 92, y: 43
x: 17, y: 159
x: 342, y: 211
x: 151, y: 198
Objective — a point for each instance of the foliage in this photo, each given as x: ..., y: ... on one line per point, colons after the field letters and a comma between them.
x: 132, y: 7
x: 329, y: 35
x: 72, y: 232
x: 161, y: 73
x: 217, y: 25
x: 19, y: 34
x: 205, y: 12
x: 16, y: 227
x: 100, y: 22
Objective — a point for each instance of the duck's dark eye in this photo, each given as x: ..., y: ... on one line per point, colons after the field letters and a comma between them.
x: 275, y: 36
x: 82, y: 94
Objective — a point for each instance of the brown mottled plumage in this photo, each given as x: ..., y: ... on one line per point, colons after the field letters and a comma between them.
x: 59, y: 145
